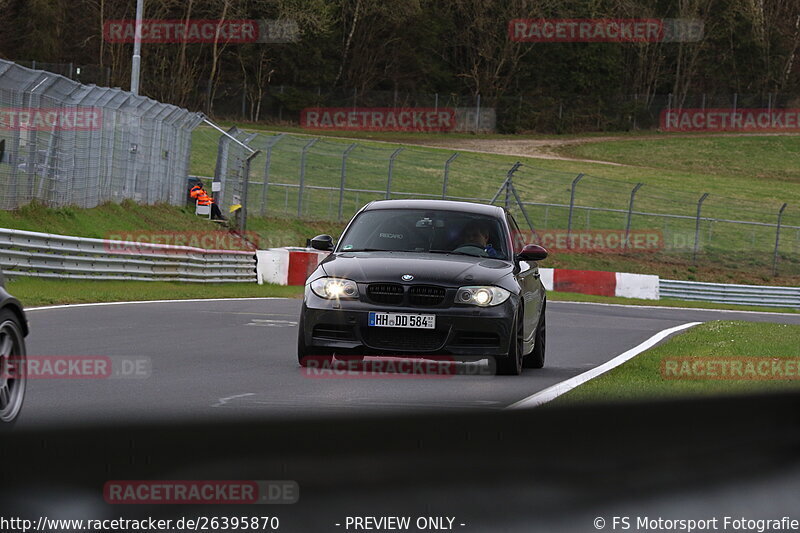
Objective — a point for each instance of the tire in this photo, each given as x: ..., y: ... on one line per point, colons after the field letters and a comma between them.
x: 535, y: 359
x: 13, y: 361
x: 511, y: 365
x: 306, y: 356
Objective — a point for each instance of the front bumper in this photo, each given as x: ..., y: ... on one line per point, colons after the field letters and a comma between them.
x: 467, y: 332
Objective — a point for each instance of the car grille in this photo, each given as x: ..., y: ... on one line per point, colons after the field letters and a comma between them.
x: 385, y: 293
x: 425, y: 295
x: 402, y: 339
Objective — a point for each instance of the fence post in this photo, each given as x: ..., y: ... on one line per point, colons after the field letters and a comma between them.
x: 220, y: 170
x: 478, y: 113
x: 447, y: 174
x: 630, y: 215
x: 777, y: 241
x: 508, y: 184
x: 697, y: 226
x: 300, y: 191
x: 245, y: 180
x: 391, y: 170
x: 344, y: 175
x: 504, y: 186
x: 578, y: 178
x: 265, y: 186
x: 246, y: 184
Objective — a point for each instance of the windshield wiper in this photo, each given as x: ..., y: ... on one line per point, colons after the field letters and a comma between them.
x: 452, y: 252
x: 374, y: 250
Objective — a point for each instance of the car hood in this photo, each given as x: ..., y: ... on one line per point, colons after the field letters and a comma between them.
x: 439, y: 269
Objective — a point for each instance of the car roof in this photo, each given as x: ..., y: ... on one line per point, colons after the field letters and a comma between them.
x: 445, y: 205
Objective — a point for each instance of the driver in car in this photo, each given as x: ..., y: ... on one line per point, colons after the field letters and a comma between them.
x: 475, y: 241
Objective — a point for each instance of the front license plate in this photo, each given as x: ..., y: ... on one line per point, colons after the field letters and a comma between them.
x: 402, y: 320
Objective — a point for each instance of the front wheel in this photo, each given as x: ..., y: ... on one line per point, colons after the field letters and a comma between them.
x: 511, y: 365
x: 535, y: 359
x: 307, y: 357
x: 13, y: 367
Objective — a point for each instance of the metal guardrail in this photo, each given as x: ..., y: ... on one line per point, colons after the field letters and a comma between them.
x: 730, y: 294
x: 45, y: 255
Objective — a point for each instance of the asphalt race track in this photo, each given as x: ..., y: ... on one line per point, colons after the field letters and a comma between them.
x: 232, y: 359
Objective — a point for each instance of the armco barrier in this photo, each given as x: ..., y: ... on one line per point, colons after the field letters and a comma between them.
x: 292, y: 266
x: 731, y: 294
x: 45, y: 255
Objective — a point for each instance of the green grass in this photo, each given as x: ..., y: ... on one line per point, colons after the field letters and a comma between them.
x: 34, y: 292
x: 641, y: 377
x: 277, y: 232
x: 104, y: 220
x: 758, y: 160
x: 115, y: 220
x: 205, y: 143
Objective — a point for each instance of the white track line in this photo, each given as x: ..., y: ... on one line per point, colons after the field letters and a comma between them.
x: 551, y: 393
x: 68, y: 306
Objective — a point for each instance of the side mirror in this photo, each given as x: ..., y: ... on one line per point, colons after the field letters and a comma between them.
x: 322, y: 242
x: 532, y: 252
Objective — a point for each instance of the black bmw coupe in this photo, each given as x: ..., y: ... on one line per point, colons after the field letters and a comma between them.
x: 427, y: 278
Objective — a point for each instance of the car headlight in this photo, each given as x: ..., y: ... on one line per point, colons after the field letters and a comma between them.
x: 334, y: 288
x: 482, y: 296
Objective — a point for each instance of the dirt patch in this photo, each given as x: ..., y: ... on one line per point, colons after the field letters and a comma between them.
x: 539, y: 148
x: 549, y: 148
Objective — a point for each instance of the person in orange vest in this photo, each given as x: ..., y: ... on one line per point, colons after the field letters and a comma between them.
x: 199, y: 193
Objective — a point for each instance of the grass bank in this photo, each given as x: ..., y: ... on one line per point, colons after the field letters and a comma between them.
x: 644, y: 378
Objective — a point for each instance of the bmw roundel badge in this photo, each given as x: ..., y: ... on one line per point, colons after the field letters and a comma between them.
x: 407, y: 277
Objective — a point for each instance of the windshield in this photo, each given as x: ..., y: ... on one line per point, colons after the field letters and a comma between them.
x: 426, y: 231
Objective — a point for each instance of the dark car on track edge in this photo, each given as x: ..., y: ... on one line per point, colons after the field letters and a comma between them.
x: 427, y: 278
